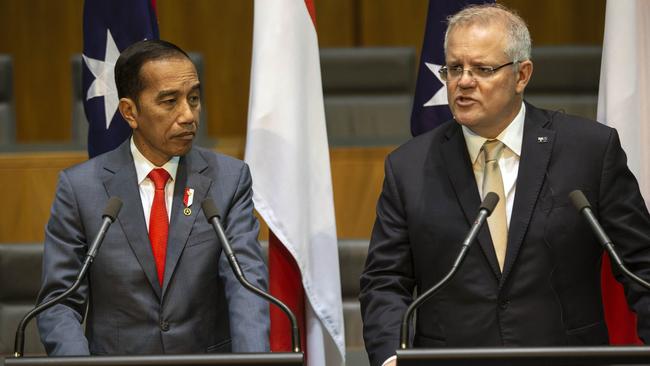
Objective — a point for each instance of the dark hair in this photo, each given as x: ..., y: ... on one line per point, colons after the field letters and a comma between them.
x: 127, y: 68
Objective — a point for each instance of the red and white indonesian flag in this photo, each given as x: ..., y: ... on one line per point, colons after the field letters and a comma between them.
x: 288, y: 154
x: 624, y: 103
x: 624, y: 94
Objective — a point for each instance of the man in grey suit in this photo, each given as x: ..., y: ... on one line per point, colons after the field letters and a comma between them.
x: 160, y: 283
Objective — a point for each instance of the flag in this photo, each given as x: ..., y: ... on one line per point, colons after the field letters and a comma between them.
x: 288, y: 154
x: 109, y: 27
x: 430, y: 106
x: 623, y: 97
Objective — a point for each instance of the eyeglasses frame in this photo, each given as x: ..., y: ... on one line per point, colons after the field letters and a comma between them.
x: 444, y: 71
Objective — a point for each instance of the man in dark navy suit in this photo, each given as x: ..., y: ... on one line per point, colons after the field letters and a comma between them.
x: 533, y: 277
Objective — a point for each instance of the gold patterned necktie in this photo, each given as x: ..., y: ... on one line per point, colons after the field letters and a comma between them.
x: 492, y: 182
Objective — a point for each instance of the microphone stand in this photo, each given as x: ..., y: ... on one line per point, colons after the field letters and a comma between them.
x: 490, y: 201
x: 110, y: 213
x: 211, y: 213
x: 582, y: 204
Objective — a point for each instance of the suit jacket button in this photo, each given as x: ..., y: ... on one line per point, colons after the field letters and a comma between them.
x: 504, y: 304
x: 164, y: 326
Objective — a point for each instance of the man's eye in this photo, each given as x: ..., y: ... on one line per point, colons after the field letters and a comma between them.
x: 169, y: 101
x: 194, y: 99
x: 484, y: 70
x: 456, y: 70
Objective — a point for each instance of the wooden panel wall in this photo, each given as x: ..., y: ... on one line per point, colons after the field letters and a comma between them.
x: 222, y: 30
x: 554, y: 22
x: 42, y: 35
x: 357, y: 174
x: 336, y: 23
x: 392, y: 23
x: 31, y: 179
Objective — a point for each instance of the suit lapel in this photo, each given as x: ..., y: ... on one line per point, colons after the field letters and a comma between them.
x: 459, y: 169
x: 188, y: 175
x: 121, y: 180
x: 536, y: 148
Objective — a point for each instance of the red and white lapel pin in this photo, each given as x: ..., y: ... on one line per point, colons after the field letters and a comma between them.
x: 188, y: 198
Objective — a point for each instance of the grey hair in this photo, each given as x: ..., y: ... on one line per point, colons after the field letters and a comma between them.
x: 518, y: 38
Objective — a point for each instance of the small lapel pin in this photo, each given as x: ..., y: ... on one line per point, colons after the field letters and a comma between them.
x: 542, y: 139
x: 188, y: 198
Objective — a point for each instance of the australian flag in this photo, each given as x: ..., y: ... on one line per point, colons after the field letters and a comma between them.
x: 430, y: 107
x: 110, y: 27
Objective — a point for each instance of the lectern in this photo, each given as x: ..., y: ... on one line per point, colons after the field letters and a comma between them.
x: 233, y: 359
x: 555, y: 356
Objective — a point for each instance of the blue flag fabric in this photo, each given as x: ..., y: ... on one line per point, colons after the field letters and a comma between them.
x: 430, y: 106
x: 109, y: 27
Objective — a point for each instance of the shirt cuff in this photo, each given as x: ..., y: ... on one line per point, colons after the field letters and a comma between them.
x: 390, y: 359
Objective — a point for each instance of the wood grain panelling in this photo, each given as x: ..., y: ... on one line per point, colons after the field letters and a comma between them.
x: 562, y: 22
x: 31, y: 179
x: 222, y: 30
x: 41, y: 35
x: 392, y: 23
x: 357, y: 174
x: 337, y: 23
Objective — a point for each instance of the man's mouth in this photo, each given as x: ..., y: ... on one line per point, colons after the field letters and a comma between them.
x: 186, y: 135
x: 463, y: 101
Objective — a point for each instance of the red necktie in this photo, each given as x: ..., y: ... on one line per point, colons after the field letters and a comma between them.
x: 158, y: 222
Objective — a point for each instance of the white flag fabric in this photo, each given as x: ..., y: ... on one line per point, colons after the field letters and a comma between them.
x: 624, y: 92
x: 623, y: 97
x: 288, y: 154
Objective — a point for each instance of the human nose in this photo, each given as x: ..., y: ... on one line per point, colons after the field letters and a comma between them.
x: 466, y: 81
x: 186, y: 114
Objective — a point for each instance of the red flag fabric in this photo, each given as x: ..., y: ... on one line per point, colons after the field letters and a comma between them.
x: 621, y: 322
x: 285, y: 283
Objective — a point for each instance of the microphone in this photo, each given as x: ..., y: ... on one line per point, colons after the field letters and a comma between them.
x: 110, y: 213
x: 212, y: 214
x: 487, y: 206
x: 582, y: 205
x: 113, y: 207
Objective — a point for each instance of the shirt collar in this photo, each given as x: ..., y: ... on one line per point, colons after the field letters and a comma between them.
x: 143, y: 166
x: 511, y: 137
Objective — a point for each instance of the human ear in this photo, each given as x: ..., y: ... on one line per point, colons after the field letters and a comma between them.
x: 129, y: 110
x: 524, y: 72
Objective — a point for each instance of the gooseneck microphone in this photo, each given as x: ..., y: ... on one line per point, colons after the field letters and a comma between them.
x: 487, y: 206
x: 212, y: 214
x: 582, y: 205
x: 110, y: 213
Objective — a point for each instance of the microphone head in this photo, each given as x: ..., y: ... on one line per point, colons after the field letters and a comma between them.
x: 113, y: 207
x: 489, y: 202
x: 209, y: 209
x: 579, y: 200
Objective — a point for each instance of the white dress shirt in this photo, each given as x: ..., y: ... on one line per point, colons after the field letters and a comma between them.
x: 147, y: 189
x: 512, y: 138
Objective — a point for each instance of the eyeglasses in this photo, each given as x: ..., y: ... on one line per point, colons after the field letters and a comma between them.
x: 454, y: 73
